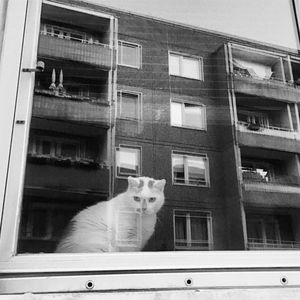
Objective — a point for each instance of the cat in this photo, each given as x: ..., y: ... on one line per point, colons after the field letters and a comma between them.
x: 124, y: 223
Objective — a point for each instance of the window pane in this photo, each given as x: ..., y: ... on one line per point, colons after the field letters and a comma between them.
x: 196, y: 170
x: 174, y: 64
x: 199, y: 230
x: 130, y: 55
x: 128, y: 161
x: 190, y: 68
x: 193, y: 115
x: 129, y: 106
x: 178, y: 169
x: 176, y: 113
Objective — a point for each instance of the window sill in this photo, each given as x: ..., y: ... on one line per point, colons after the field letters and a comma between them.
x: 130, y: 66
x: 191, y: 185
x: 190, y: 78
x: 190, y: 127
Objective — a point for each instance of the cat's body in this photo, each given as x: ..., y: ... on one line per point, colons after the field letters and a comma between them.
x: 124, y: 223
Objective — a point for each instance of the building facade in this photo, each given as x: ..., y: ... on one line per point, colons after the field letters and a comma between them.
x: 127, y: 95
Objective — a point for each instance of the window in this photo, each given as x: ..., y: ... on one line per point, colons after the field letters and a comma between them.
x: 129, y: 54
x: 185, y: 66
x: 190, y: 169
x: 129, y: 105
x: 128, y: 161
x: 188, y: 115
x: 192, y: 230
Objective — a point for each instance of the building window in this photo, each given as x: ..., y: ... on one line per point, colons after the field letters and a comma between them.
x: 270, y: 231
x: 128, y: 161
x: 186, y: 66
x: 129, y: 54
x: 192, y: 230
x: 129, y: 105
x: 190, y: 169
x: 188, y: 115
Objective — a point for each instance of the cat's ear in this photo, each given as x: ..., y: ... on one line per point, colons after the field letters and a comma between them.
x: 160, y: 184
x: 132, y: 182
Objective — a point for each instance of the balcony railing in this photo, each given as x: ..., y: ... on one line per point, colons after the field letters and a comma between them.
x: 77, y: 109
x: 259, y: 244
x: 252, y: 176
x: 96, y: 54
x: 267, y: 130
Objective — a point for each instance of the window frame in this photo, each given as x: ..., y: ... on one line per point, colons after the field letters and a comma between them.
x: 191, y: 154
x: 188, y: 217
x: 139, y: 104
x: 125, y: 175
x: 181, y: 56
x: 139, y: 54
x: 183, y: 102
x: 48, y: 273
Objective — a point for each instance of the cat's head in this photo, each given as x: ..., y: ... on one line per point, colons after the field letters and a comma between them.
x: 146, y: 195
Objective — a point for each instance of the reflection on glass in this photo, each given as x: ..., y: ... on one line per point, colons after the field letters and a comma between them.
x: 128, y: 159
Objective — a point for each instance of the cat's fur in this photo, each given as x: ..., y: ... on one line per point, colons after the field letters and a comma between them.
x: 124, y: 223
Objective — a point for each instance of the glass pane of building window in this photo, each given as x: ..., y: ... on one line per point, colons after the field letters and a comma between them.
x: 185, y: 66
x: 190, y: 68
x: 128, y: 161
x: 129, y: 105
x: 192, y: 230
x: 188, y: 115
x: 129, y: 54
x: 174, y: 64
x: 190, y: 169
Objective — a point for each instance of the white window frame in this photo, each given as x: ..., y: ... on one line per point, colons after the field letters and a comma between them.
x: 181, y: 56
x: 203, y: 126
x: 138, y: 47
x: 187, y: 155
x: 134, y: 148
x: 138, y: 271
x: 139, y: 104
x: 187, y: 214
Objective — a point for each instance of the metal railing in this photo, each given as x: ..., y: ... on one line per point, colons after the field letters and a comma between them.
x: 271, y: 244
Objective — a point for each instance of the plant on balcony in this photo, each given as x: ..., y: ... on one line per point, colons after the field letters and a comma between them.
x: 254, y: 126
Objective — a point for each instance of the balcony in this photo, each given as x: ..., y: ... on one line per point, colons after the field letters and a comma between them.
x: 262, y: 73
x: 64, y: 175
x: 267, y: 123
x: 261, y: 244
x: 47, y: 104
x: 270, y: 178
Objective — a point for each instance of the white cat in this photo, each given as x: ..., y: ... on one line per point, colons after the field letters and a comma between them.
x: 124, y: 223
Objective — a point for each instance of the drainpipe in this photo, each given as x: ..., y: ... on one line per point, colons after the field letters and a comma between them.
x: 296, y: 13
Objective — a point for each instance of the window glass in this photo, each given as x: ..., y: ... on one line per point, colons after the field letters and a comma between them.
x: 128, y: 161
x: 129, y: 105
x: 124, y: 160
x: 129, y: 54
x: 190, y: 68
x: 185, y: 66
x: 189, y: 169
x: 174, y: 64
x: 192, y: 230
x: 188, y: 115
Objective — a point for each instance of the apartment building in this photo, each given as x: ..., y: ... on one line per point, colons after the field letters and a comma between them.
x: 127, y: 95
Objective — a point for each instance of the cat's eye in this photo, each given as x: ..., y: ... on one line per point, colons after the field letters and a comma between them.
x: 152, y: 199
x: 136, y: 198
